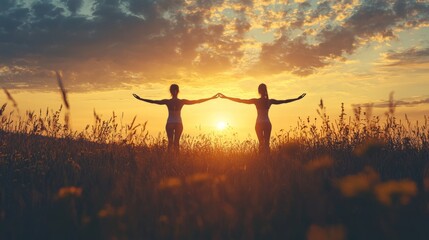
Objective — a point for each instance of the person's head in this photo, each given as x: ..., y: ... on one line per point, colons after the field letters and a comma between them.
x: 174, y: 90
x: 262, y: 90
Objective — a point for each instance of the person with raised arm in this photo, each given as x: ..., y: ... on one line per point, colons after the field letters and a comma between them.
x: 174, y: 126
x: 263, y: 123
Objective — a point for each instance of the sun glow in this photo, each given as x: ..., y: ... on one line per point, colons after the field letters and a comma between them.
x: 221, y: 125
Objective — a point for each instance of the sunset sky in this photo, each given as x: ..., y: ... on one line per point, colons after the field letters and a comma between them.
x: 349, y: 51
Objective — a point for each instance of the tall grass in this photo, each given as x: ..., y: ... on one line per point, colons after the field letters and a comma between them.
x: 343, y: 132
x: 353, y: 177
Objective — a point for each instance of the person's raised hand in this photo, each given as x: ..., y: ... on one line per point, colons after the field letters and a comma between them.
x: 136, y: 96
x: 302, y: 95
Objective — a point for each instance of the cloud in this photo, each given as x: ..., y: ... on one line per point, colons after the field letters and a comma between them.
x: 111, y: 43
x: 372, y: 20
x: 398, y: 103
x: 412, y: 103
x: 290, y: 55
x: 412, y: 56
x: 73, y: 5
x: 118, y: 38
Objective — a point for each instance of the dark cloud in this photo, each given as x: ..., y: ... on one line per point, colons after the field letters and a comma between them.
x: 73, y: 5
x: 323, y: 9
x: 116, y: 40
x: 370, y: 19
x: 46, y: 10
x: 6, y: 4
x: 119, y: 38
x: 336, y: 42
x: 146, y: 8
x: 408, y: 57
x: 290, y: 55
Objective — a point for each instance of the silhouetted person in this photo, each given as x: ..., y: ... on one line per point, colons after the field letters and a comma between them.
x: 174, y: 126
x: 263, y: 124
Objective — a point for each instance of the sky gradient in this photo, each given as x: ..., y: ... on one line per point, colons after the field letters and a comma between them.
x: 350, y: 51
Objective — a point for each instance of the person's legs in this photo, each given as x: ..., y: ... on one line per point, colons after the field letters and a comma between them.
x: 267, y: 136
x: 259, y: 128
x: 169, y: 128
x: 177, y: 133
x: 263, y: 131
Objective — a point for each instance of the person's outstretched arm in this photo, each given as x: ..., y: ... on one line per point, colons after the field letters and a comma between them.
x: 190, y: 102
x: 274, y: 101
x: 160, y: 102
x: 246, y: 101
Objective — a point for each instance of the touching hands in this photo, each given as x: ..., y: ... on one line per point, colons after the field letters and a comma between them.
x: 302, y: 95
x: 220, y: 95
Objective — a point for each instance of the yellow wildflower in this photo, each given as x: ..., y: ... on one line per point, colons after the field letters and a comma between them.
x: 171, y: 182
x: 352, y: 185
x: 404, y: 189
x: 197, y: 177
x: 69, y: 192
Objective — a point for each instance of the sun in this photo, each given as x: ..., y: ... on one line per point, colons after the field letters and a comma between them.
x: 221, y: 125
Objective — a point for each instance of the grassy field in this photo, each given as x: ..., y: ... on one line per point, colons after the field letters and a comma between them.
x: 356, y: 177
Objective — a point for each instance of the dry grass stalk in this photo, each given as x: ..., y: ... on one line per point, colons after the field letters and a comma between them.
x: 9, y: 96
x: 63, y: 90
